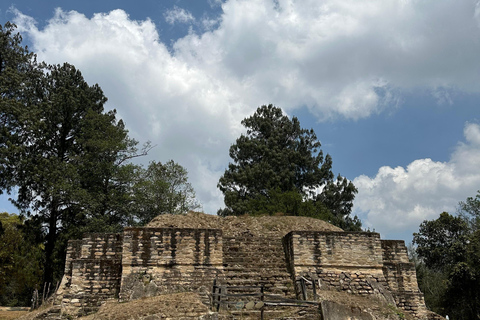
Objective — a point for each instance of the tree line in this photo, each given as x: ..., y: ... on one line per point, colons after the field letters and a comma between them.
x: 448, y: 261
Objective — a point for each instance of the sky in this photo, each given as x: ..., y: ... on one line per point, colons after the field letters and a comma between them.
x: 391, y: 87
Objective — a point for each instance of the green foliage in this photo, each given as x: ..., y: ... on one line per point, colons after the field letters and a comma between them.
x: 433, y: 284
x: 396, y: 311
x: 442, y: 242
x: 449, y: 269
x: 59, y: 150
x: 162, y: 188
x: 470, y: 211
x: 277, y: 167
x: 338, y: 196
x: 66, y: 163
x: 20, y: 262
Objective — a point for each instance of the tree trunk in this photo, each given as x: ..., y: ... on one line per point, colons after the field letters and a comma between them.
x: 50, y: 243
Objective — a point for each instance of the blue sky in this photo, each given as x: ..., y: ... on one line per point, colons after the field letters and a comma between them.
x: 392, y: 88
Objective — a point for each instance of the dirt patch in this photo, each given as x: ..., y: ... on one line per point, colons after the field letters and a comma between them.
x: 234, y: 226
x: 8, y: 313
x: 375, y: 306
x: 168, y: 306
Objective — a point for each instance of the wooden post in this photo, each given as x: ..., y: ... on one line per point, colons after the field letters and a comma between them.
x: 262, y: 299
x: 314, y: 290
x: 224, y: 290
x: 214, y: 289
x: 304, y: 288
x: 219, y: 297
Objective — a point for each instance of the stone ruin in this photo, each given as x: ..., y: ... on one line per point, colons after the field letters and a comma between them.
x: 150, y: 261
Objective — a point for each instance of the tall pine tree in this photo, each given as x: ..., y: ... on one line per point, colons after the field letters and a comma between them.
x: 278, y: 165
x: 61, y: 155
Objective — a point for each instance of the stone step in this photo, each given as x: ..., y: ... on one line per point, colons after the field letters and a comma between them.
x: 254, y: 245
x: 249, y: 314
x: 258, y: 248
x: 245, y: 274
x: 253, y: 260
x: 248, y: 265
x: 262, y: 253
x: 259, y: 269
x: 254, y: 257
x: 255, y: 253
x: 257, y: 282
x: 264, y: 277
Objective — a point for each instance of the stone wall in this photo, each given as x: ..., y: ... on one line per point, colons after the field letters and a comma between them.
x: 92, y: 272
x: 355, y: 262
x: 157, y: 260
x: 401, y: 277
x: 144, y: 262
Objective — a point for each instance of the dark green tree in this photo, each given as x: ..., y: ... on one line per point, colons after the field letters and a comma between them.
x: 441, y: 243
x: 162, y: 188
x: 469, y: 210
x: 20, y: 262
x: 66, y: 162
x: 338, y: 196
x: 19, y: 74
x: 59, y: 151
x: 278, y: 165
x: 58, y: 156
x: 449, y: 268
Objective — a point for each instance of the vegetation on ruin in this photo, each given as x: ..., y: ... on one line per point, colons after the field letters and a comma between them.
x: 278, y: 166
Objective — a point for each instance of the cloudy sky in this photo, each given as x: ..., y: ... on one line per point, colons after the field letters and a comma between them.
x: 391, y: 87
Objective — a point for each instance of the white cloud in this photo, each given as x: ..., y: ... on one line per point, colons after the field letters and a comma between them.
x: 398, y: 199
x: 178, y: 15
x: 190, y: 116
x: 339, y: 58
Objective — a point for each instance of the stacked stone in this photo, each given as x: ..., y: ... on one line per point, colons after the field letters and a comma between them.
x: 334, y: 249
x: 93, y: 273
x: 151, y: 261
x: 402, y: 278
x: 165, y: 260
x: 356, y: 282
x: 358, y: 263
x: 257, y: 261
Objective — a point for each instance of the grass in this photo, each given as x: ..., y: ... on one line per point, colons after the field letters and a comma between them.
x: 7, y: 313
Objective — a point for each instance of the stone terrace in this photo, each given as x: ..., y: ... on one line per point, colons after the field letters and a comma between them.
x: 171, y: 256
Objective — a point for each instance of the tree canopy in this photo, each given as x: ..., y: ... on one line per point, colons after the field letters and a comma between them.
x: 449, y: 268
x: 65, y: 161
x: 162, y: 188
x: 278, y: 165
x: 20, y: 261
x: 64, y: 151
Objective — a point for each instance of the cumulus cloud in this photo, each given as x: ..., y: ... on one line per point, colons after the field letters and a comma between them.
x: 178, y: 15
x: 345, y: 59
x: 399, y: 199
x: 190, y: 116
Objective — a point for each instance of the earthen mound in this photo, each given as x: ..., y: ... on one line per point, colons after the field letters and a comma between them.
x: 241, y: 225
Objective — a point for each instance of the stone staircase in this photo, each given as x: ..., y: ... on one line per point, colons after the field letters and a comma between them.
x: 257, y: 261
